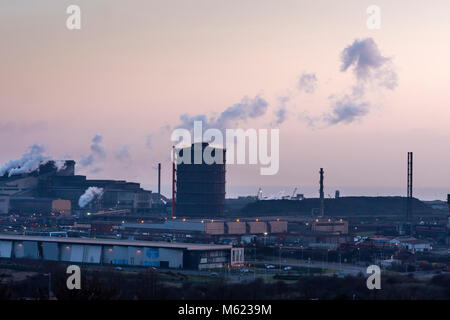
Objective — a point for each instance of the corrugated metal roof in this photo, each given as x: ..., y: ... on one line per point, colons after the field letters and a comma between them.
x: 188, y: 246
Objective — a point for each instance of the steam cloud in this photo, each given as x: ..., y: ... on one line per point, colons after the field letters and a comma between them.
x: 368, y: 63
x: 30, y: 161
x: 369, y: 66
x: 307, y: 82
x: 97, y: 153
x: 123, y: 155
x: 246, y: 109
x: 346, y: 110
x: 90, y: 194
x: 281, y: 113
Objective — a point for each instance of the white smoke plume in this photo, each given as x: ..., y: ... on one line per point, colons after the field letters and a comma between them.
x: 97, y: 153
x: 247, y: 108
x: 29, y: 162
x: 90, y: 194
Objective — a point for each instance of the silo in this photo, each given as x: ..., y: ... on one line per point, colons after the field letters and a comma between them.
x: 200, y: 184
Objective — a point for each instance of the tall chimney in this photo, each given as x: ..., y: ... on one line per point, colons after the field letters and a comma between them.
x: 173, y: 181
x: 409, y: 200
x: 159, y: 178
x: 322, y: 206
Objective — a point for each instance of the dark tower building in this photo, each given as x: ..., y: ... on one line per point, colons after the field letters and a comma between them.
x: 159, y: 178
x: 322, y: 205
x: 200, y: 186
x: 409, y: 200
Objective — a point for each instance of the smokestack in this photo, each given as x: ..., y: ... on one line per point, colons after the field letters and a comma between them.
x: 448, y: 216
x: 322, y: 207
x: 173, y: 181
x: 409, y: 199
x: 159, y: 178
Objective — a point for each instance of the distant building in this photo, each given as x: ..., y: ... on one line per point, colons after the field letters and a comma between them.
x: 200, y: 187
x: 412, y: 244
x: 329, y: 225
x: 120, y: 252
x: 35, y: 192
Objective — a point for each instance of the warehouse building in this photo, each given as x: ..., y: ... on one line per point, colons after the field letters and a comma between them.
x: 209, y: 227
x: 120, y: 252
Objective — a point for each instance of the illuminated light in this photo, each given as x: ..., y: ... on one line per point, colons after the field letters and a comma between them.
x: 203, y: 221
x: 142, y: 221
x: 67, y: 248
x: 212, y: 220
x: 110, y: 250
x: 19, y: 244
x: 184, y: 219
x: 257, y: 219
x: 88, y: 213
x: 278, y: 219
x: 138, y: 252
x: 329, y: 220
x: 237, y: 220
x: 174, y: 217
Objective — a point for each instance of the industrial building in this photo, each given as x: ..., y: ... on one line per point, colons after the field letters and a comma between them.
x: 120, y: 252
x: 329, y: 225
x: 50, y: 189
x: 200, y: 187
x: 207, y: 228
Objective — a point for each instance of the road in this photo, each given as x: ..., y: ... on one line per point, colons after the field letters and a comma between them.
x: 346, y: 269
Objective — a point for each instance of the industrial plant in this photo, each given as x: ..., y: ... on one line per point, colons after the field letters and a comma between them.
x: 48, y: 213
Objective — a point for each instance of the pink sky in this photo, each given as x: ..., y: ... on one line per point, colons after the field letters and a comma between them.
x: 136, y: 66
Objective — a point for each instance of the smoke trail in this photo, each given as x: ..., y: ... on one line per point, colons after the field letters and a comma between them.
x: 123, y: 154
x: 368, y: 63
x: 369, y: 66
x: 281, y: 113
x: 30, y: 161
x: 90, y: 194
x: 97, y: 152
x: 346, y: 110
x: 247, y: 108
x: 307, y: 82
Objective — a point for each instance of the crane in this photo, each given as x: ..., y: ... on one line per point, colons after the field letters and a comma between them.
x: 293, y: 193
